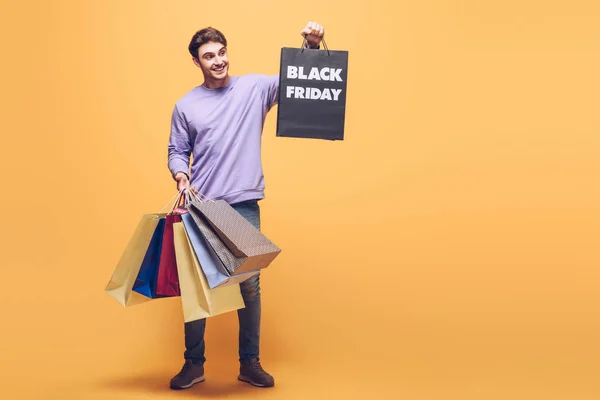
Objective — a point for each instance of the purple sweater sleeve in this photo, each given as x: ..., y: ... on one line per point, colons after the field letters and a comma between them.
x: 180, y: 146
x: 270, y: 88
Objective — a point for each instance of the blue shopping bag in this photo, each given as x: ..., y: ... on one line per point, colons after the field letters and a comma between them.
x: 145, y: 282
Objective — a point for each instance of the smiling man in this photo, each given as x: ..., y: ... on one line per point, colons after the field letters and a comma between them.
x: 220, y: 123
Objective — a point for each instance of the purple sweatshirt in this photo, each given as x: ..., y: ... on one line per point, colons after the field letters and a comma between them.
x: 222, y: 128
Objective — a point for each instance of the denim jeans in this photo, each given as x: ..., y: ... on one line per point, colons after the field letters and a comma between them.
x: 249, y: 317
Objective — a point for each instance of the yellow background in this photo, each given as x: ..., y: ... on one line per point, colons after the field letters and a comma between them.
x: 447, y: 249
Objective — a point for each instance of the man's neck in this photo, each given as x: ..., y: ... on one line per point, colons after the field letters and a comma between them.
x: 216, y: 83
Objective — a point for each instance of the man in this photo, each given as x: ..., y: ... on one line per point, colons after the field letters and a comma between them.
x: 220, y: 122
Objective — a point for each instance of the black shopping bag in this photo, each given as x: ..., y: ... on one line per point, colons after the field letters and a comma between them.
x: 312, y: 93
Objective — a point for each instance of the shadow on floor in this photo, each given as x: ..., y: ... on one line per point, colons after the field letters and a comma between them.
x: 159, y: 383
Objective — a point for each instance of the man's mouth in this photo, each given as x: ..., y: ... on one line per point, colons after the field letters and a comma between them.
x: 220, y: 69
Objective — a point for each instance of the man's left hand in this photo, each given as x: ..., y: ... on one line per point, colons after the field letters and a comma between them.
x: 313, y: 32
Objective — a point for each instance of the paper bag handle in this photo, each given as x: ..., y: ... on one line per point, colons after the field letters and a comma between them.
x: 322, y: 39
x: 180, y: 195
x: 195, y: 195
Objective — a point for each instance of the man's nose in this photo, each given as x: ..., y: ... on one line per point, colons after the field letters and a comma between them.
x: 218, y: 60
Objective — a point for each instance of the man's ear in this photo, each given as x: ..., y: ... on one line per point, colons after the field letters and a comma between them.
x: 196, y: 61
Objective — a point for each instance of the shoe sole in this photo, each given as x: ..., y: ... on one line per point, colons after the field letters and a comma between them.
x: 197, y: 380
x: 250, y: 381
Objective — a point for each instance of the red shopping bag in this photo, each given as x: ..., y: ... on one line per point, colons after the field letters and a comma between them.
x: 167, y: 280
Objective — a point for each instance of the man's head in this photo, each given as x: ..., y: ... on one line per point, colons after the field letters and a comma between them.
x: 208, y: 48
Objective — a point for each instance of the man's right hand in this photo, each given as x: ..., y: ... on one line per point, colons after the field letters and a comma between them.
x: 182, y: 181
x: 313, y: 33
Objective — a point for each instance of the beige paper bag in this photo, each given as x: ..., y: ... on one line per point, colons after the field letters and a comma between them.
x: 198, y: 300
x: 123, y: 278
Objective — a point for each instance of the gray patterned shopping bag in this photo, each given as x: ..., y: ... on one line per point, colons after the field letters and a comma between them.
x: 240, y: 246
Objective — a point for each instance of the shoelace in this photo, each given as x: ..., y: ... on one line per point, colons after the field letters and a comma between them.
x: 186, y: 366
x: 255, y: 365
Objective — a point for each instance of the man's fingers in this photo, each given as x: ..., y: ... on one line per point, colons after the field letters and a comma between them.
x: 310, y: 27
x: 306, y: 29
x: 314, y: 29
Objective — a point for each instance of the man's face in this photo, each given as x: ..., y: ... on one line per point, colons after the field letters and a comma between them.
x: 212, y: 59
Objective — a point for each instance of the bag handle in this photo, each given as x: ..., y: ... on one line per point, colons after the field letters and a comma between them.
x: 179, y: 203
x: 322, y: 39
x: 169, y: 202
x: 187, y: 196
x: 194, y: 195
x: 180, y: 195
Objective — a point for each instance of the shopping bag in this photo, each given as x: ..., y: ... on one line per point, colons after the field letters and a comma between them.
x: 145, y: 282
x: 197, y: 299
x: 239, y: 245
x: 312, y: 93
x: 167, y: 281
x: 215, y: 272
x: 123, y: 278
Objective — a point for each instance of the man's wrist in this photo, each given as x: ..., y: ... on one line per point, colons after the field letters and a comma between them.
x: 179, y: 174
x: 309, y: 45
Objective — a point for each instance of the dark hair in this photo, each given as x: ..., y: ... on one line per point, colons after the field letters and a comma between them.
x: 204, y: 36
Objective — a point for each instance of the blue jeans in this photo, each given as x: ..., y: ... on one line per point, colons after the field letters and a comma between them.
x: 249, y: 317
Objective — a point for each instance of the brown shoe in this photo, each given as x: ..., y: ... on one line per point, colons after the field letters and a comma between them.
x: 189, y: 375
x: 253, y: 373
